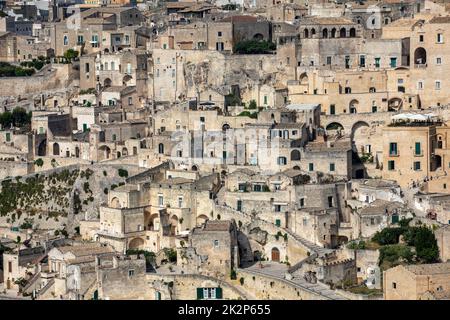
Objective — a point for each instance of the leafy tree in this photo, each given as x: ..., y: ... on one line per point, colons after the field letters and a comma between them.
x: 387, y: 236
x: 71, y: 54
x: 423, y: 239
x: 252, y: 104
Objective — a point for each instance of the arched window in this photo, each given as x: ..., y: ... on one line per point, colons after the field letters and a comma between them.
x: 306, y: 33
x: 66, y: 40
x: 420, y: 56
x: 295, y: 155
x: 325, y: 33
x: 333, y: 33
x: 161, y: 148
x: 352, y: 32
x: 343, y: 33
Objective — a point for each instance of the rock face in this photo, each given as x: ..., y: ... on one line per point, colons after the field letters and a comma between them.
x: 258, y: 235
x: 56, y: 199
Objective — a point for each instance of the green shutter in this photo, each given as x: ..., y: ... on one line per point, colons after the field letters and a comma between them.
x: 199, y: 293
x: 417, y: 147
x: 218, y: 293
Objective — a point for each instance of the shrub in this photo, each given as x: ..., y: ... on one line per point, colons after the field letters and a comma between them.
x: 39, y: 162
x: 123, y: 173
x: 254, y: 47
x: 252, y: 104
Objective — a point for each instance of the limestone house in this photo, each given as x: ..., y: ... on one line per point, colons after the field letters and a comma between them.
x: 417, y: 282
x: 369, y: 190
x: 71, y: 270
x: 212, y: 249
x: 409, y: 145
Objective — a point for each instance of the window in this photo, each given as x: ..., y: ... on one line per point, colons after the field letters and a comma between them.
x: 330, y: 201
x: 278, y: 222
x: 173, y: 73
x: 239, y: 205
x: 209, y: 293
x: 216, y: 243
x: 242, y: 187
x: 282, y: 161
x: 265, y: 99
x: 328, y: 60
x: 332, y: 167
x: 420, y: 85
x: 80, y: 40
x: 114, y: 137
x: 160, y: 200
x: 127, y: 39
x: 416, y: 165
x: 94, y: 41
x: 8, y: 137
x: 417, y: 149
x: 9, y: 266
x: 437, y: 85
x: 257, y: 188
x: 332, y: 109
x: 219, y: 34
x: 391, y: 165
x: 394, y: 285
x: 66, y: 41
x: 311, y: 166
x: 377, y: 62
x: 393, y: 62
x: 393, y: 149
x: 440, y: 38
x: 438, y: 60
x: 130, y: 273
x: 130, y: 101
x: 277, y: 208
x: 347, y: 62
x: 302, y: 202
x: 165, y: 46
x: 180, y: 202
x: 362, y: 61
x: 421, y: 38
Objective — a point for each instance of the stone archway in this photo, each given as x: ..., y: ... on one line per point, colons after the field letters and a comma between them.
x: 136, y: 244
x: 420, y: 56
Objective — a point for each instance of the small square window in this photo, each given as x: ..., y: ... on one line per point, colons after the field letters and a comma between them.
x: 130, y: 272
x: 216, y: 243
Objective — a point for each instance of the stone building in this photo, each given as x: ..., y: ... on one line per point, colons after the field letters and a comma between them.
x: 212, y: 249
x: 417, y: 282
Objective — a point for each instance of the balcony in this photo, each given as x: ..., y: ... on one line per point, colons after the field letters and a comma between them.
x: 420, y: 65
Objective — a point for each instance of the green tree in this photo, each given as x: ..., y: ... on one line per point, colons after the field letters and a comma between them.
x: 71, y: 54
x: 39, y: 162
x: 252, y: 104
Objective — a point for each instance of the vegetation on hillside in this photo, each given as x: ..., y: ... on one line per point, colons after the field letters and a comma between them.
x: 254, y: 47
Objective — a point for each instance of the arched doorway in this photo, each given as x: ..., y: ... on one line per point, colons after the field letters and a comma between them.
x: 352, y: 32
x: 56, y: 150
x: 343, y: 33
x: 275, y: 254
x: 107, y: 82
x: 333, y: 33
x: 258, y: 37
x: 174, y: 225
x: 124, y: 152
x: 353, y: 106
x: 306, y: 33
x: 325, y: 33
x: 115, y: 203
x: 334, y: 126
x: 104, y: 152
x: 304, y: 79
x: 42, y: 148
x: 420, y: 56
x: 202, y: 219
x: 161, y: 148
x: 136, y: 243
x: 194, y: 168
